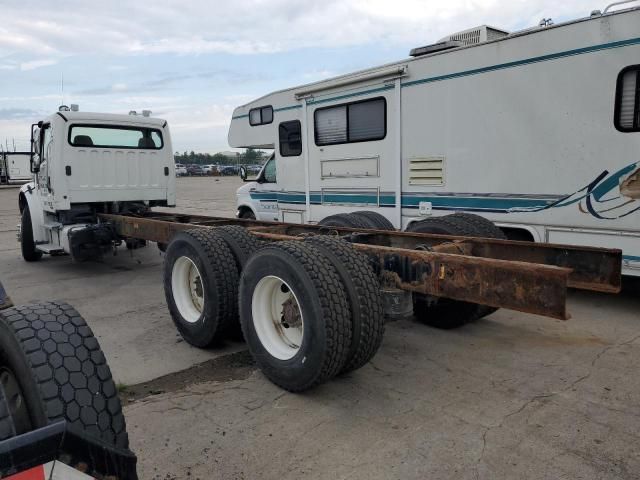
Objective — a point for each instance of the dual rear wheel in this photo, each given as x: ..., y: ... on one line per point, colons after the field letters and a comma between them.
x: 308, y: 310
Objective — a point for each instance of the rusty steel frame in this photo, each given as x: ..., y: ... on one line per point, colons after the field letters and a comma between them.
x: 524, y: 276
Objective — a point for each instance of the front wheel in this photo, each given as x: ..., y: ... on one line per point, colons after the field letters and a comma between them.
x: 247, y: 215
x: 27, y: 243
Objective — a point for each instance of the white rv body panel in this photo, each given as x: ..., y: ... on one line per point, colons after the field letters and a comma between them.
x: 520, y: 130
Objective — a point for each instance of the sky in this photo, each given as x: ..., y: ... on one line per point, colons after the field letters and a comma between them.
x: 193, y: 61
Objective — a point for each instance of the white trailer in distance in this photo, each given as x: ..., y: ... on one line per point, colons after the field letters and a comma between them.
x: 15, y: 167
x: 536, y: 130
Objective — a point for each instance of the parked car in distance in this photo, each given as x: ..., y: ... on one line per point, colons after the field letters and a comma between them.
x: 181, y: 170
x: 229, y: 170
x: 210, y: 169
x: 195, y: 170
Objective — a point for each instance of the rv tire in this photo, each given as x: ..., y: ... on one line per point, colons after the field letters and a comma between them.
x: 375, y: 220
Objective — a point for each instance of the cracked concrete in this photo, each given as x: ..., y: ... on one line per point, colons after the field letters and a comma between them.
x: 512, y: 396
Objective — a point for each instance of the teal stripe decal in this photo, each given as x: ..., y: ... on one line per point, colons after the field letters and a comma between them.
x: 283, y: 109
x: 633, y: 258
x: 528, y: 61
x: 488, y: 203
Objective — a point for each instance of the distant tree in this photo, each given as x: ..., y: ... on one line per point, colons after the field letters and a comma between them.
x: 251, y: 155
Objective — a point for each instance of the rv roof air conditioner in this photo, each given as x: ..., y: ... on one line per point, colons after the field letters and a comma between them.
x: 472, y: 36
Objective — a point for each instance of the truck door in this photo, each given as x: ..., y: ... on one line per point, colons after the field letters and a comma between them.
x: 44, y: 174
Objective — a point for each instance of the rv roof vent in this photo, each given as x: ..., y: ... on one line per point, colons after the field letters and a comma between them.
x: 476, y: 35
x: 436, y: 47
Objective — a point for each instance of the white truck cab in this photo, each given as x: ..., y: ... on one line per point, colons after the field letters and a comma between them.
x: 89, y: 163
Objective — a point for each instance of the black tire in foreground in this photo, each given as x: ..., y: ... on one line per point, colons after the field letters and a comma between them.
x: 201, y: 285
x: 363, y: 294
x: 27, y: 244
x: 376, y: 220
x: 52, y: 369
x: 444, y: 313
x: 294, y: 315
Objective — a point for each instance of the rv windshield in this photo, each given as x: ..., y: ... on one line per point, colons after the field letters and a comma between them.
x: 107, y: 136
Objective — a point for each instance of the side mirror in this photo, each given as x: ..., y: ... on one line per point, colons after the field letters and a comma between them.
x: 243, y: 173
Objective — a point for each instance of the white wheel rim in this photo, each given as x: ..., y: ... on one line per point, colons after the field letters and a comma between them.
x: 272, y: 300
x: 188, y: 289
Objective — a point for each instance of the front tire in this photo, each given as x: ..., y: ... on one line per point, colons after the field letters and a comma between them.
x: 27, y: 243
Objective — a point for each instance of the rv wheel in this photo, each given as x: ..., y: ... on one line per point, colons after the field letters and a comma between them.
x: 375, y: 220
x: 52, y: 369
x: 27, y: 244
x: 344, y: 220
x: 200, y: 285
x: 443, y: 312
x: 294, y: 315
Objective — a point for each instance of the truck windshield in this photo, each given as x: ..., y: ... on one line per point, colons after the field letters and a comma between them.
x: 107, y: 136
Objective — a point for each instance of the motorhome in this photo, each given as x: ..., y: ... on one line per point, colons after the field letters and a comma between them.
x: 14, y: 167
x: 536, y: 130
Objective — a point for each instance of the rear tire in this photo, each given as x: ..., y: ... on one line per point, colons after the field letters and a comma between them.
x: 376, y: 220
x: 363, y: 294
x: 242, y: 244
x: 54, y: 369
x: 482, y: 228
x: 294, y: 315
x: 27, y: 244
x: 443, y: 313
x: 345, y: 220
x: 201, y: 285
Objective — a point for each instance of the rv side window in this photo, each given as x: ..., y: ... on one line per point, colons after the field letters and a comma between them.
x: 290, y: 134
x: 260, y: 116
x: 269, y: 175
x: 362, y: 121
x: 627, y: 109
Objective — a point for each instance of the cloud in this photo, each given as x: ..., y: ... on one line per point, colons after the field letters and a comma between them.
x: 33, y: 64
x: 18, y: 113
x: 253, y: 26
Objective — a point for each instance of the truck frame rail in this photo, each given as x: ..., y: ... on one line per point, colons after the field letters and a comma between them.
x: 523, y: 276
